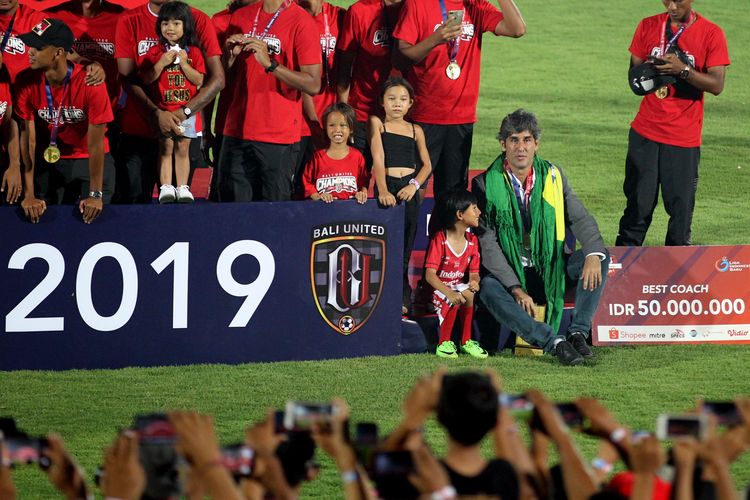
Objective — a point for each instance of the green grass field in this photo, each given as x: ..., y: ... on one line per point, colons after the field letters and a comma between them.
x: 570, y: 69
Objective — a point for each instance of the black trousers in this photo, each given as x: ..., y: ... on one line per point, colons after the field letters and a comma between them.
x: 411, y: 217
x: 66, y: 181
x: 650, y: 165
x: 450, y: 151
x: 361, y: 143
x: 255, y: 171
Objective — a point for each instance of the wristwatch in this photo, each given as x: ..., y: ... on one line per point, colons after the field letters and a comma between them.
x: 187, y: 111
x: 95, y: 194
x: 272, y: 67
x: 685, y: 73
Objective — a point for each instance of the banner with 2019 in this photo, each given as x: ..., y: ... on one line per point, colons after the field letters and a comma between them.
x: 147, y: 286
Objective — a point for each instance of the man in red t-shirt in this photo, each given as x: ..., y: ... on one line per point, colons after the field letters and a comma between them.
x: 15, y: 19
x: 665, y: 137
x: 442, y: 38
x: 11, y: 185
x: 273, y: 51
x: 364, y: 61
x: 65, y: 151
x: 138, y: 151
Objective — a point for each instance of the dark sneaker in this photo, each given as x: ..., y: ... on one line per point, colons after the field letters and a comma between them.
x: 578, y: 341
x: 567, y: 354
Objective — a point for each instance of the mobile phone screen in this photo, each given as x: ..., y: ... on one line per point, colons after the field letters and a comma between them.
x: 725, y: 411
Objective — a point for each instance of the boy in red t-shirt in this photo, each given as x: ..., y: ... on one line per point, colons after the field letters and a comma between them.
x: 66, y: 120
x: 174, y: 70
x: 452, y: 269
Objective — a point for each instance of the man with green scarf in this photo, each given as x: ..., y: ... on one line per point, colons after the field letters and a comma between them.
x: 527, y: 206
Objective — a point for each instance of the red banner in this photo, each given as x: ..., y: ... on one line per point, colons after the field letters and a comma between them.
x: 667, y: 295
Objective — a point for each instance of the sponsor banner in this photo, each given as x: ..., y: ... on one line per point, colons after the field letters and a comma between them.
x: 202, y: 283
x: 666, y: 295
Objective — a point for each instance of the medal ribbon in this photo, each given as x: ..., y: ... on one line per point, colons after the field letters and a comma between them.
x: 56, y: 120
x: 270, y: 23
x: 6, y: 36
x: 454, y: 44
x: 665, y: 49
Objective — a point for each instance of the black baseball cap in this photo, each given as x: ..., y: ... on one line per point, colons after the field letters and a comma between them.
x: 48, y: 32
x: 645, y: 79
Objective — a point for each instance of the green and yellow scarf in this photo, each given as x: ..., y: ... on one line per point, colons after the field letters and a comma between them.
x: 547, y: 236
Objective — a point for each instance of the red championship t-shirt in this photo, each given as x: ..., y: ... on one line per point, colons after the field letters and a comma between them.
x: 366, y: 33
x: 340, y: 178
x: 263, y: 108
x: 15, y: 53
x: 172, y: 89
x: 678, y: 119
x: 452, y: 266
x: 95, y: 38
x: 330, y: 17
x: 5, y: 100
x: 438, y: 99
x: 79, y: 105
x: 136, y: 34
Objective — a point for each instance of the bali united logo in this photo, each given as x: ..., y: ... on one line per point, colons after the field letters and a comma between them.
x: 347, y: 262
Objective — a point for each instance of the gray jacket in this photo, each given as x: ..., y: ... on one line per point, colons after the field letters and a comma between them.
x: 577, y: 220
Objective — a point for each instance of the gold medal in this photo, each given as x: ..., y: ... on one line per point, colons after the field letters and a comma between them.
x: 663, y: 92
x: 51, y: 154
x: 453, y: 71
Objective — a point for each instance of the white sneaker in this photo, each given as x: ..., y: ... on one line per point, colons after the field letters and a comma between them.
x: 167, y: 193
x: 184, y: 195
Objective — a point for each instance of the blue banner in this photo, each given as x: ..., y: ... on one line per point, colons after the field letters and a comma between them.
x: 202, y: 283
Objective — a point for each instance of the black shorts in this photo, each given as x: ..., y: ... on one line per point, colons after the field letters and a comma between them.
x: 67, y: 181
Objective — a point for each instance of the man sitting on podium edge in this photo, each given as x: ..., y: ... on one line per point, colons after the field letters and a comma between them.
x: 527, y: 205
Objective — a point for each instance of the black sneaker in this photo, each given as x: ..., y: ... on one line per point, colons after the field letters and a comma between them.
x: 578, y: 340
x: 567, y: 354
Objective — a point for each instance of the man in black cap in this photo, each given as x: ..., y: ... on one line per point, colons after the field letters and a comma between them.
x: 685, y: 55
x: 63, y: 144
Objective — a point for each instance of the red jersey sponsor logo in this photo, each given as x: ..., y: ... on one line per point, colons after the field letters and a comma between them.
x: 145, y: 45
x: 67, y: 115
x: 381, y: 38
x: 14, y: 46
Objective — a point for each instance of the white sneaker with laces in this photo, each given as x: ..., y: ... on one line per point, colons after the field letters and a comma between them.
x: 184, y: 195
x: 167, y: 193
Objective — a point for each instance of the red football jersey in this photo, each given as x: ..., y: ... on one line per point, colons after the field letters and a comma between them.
x: 452, y: 267
x: 366, y: 32
x: 79, y: 104
x: 5, y: 100
x: 328, y: 95
x: 136, y: 34
x: 340, y: 178
x: 15, y: 55
x: 95, y: 38
x: 438, y: 99
x: 678, y: 119
x: 263, y: 108
x: 172, y: 89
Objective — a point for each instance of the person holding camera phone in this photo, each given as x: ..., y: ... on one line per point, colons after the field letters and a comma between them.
x: 442, y: 40
x: 665, y: 136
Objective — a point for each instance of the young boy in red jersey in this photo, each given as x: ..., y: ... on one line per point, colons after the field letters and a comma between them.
x: 452, y: 269
x: 63, y: 143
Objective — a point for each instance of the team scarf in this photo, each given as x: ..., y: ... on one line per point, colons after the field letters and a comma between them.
x: 547, y: 236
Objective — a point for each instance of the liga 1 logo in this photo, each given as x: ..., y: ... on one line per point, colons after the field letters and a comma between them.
x: 347, y: 266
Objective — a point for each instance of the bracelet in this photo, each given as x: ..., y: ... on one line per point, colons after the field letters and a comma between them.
x: 602, y: 465
x: 415, y: 183
x: 444, y: 493
x: 349, y: 476
x: 618, y: 435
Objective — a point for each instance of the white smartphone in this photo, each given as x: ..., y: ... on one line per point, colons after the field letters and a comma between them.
x: 455, y: 17
x: 679, y: 426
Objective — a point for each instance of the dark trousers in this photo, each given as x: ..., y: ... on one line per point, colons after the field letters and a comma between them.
x: 649, y: 165
x: 411, y: 216
x: 361, y: 143
x: 450, y: 150
x: 67, y: 181
x: 255, y: 171
x: 304, y: 150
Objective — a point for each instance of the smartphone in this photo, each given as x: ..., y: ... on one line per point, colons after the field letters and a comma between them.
x: 570, y: 415
x: 165, y: 469
x: 455, y: 17
x: 517, y: 405
x: 300, y: 416
x: 239, y: 459
x: 21, y: 450
x: 365, y: 441
x: 278, y: 422
x: 679, y: 426
x: 392, y: 463
x: 725, y: 411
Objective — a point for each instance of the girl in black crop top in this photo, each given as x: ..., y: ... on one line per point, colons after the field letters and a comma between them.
x: 400, y: 163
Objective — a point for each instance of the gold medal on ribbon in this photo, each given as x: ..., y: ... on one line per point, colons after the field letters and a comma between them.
x: 51, y: 154
x: 663, y: 92
x: 453, y: 71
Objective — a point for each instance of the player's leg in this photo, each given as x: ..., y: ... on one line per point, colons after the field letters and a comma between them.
x: 182, y: 169
x: 466, y: 317
x: 167, y: 191
x: 678, y: 173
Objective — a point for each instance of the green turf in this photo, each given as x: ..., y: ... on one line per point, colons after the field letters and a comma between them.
x: 570, y: 69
